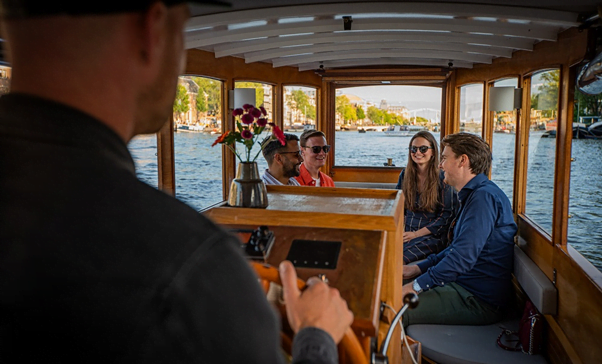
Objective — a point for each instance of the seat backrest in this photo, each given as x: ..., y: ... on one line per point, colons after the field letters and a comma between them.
x: 534, y: 282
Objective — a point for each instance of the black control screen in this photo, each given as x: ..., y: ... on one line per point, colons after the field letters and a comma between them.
x: 314, y: 253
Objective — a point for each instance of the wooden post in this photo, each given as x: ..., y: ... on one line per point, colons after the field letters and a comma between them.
x: 165, y: 158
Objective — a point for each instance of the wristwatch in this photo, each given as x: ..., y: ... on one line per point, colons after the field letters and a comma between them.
x: 416, y: 287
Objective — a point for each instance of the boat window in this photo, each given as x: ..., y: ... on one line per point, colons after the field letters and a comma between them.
x: 263, y: 97
x: 143, y: 149
x: 375, y: 123
x: 197, y: 119
x: 542, y: 148
x: 584, y: 229
x: 471, y: 108
x: 299, y: 108
x: 503, y: 143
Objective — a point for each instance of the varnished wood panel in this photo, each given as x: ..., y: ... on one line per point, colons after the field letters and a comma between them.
x: 165, y: 158
x: 577, y: 327
x: 570, y: 48
x: 368, y: 174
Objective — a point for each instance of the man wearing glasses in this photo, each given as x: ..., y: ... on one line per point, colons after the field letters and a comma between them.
x: 283, y: 161
x: 314, y: 151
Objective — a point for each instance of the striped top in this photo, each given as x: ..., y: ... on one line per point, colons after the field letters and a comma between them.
x: 268, y: 179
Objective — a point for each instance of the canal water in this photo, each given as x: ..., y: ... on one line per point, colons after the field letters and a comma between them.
x: 199, y: 184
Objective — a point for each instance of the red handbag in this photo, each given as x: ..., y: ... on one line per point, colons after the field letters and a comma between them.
x: 529, y: 334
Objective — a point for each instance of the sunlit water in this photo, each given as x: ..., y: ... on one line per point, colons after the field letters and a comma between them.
x: 199, y: 184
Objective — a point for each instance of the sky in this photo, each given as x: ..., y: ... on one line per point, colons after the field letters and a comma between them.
x: 412, y: 97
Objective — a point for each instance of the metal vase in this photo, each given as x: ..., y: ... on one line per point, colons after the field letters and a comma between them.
x: 248, y: 189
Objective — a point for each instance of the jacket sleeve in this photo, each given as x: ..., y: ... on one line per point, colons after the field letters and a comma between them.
x: 473, y: 228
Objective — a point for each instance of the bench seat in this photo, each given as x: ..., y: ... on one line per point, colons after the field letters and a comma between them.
x: 465, y: 344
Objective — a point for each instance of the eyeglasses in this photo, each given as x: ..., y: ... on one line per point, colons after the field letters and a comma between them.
x: 422, y: 149
x: 296, y: 152
x: 316, y: 148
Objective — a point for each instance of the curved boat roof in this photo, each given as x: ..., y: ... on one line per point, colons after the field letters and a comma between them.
x: 313, y: 35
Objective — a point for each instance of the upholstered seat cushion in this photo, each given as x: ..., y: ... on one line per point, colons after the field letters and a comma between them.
x: 457, y: 344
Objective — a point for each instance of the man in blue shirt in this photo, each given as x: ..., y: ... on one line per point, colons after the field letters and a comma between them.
x: 470, y: 281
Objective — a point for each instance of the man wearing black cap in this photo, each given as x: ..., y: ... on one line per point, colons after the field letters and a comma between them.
x: 96, y: 266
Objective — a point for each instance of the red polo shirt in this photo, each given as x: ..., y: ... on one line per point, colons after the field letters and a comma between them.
x: 305, y: 179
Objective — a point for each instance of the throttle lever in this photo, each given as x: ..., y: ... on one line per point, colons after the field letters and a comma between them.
x: 410, y: 300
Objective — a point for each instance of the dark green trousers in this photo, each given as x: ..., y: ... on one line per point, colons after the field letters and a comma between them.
x: 451, y: 305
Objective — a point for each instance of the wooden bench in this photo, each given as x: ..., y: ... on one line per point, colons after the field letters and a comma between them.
x: 460, y: 344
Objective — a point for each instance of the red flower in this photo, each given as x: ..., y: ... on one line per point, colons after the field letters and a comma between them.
x: 278, y: 134
x: 262, y: 122
x: 255, y: 113
x: 263, y: 111
x: 220, y: 139
x: 247, y: 107
x: 246, y: 134
x: 247, y: 119
x: 237, y: 112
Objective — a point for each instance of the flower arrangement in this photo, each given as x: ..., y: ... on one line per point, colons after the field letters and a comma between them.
x: 250, y: 123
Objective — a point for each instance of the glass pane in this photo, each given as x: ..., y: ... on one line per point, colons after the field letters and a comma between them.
x: 263, y: 97
x: 542, y: 148
x: 503, y: 144
x: 471, y: 109
x: 143, y: 149
x: 374, y: 123
x: 299, y: 108
x: 197, y: 114
x: 585, y: 199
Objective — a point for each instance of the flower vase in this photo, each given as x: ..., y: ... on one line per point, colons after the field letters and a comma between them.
x: 248, y: 189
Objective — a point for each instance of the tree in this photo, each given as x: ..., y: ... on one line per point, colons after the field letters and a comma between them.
x: 361, y: 115
x: 587, y: 105
x: 547, y: 97
x: 201, y: 104
x: 375, y: 115
x: 181, y: 104
x: 211, y: 88
x: 299, y: 101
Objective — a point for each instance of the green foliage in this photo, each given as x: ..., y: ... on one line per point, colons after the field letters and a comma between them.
x: 376, y: 115
x: 587, y: 105
x: 210, y: 92
x: 547, y: 97
x: 181, y: 103
x: 299, y: 101
x: 361, y: 115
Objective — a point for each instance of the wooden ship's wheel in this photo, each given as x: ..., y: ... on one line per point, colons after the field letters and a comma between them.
x: 349, y: 346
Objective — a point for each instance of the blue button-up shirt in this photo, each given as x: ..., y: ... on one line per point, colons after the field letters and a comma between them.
x: 480, y: 257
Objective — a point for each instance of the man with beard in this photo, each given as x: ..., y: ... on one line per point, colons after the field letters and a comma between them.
x: 95, y: 265
x: 283, y: 161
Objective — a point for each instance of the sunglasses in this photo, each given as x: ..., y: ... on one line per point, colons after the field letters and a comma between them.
x: 316, y: 148
x: 422, y: 149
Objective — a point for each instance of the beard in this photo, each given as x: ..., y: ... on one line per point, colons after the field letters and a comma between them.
x: 292, y: 170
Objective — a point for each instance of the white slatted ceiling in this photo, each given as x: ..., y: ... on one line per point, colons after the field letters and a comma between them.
x: 306, y: 36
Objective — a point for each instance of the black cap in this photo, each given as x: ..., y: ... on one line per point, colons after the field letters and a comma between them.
x: 33, y: 8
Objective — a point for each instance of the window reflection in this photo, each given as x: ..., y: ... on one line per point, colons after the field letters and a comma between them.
x: 503, y: 144
x: 585, y: 199
x: 542, y: 148
x: 471, y: 109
